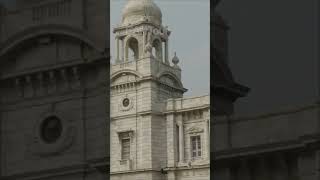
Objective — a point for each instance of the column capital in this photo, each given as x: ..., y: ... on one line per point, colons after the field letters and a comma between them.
x: 179, y: 119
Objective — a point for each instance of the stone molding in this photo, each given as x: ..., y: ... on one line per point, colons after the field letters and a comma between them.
x: 129, y: 107
x: 39, y: 30
x: 195, y: 130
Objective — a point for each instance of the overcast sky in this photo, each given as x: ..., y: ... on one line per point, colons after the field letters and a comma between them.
x: 189, y: 21
x: 273, y: 50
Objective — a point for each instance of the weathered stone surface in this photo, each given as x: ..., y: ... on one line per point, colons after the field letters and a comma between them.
x: 53, y: 63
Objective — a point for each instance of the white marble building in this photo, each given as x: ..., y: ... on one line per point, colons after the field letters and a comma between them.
x: 156, y: 133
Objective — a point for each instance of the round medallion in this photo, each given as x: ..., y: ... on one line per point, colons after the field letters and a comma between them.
x: 51, y: 129
x: 125, y: 102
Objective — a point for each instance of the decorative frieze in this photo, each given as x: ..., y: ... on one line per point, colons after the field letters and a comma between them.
x: 44, y: 83
x: 163, y: 32
x: 193, y: 115
x: 56, y: 9
x: 122, y: 88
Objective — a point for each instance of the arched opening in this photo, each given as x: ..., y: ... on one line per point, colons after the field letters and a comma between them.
x: 157, y: 46
x: 132, y: 50
x: 154, y: 52
x: 131, y: 56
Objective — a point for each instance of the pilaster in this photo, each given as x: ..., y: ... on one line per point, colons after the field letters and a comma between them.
x: 171, y: 141
x: 308, y: 165
x: 181, y: 137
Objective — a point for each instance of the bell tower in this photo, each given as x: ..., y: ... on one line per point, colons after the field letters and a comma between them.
x: 141, y: 35
x: 142, y: 79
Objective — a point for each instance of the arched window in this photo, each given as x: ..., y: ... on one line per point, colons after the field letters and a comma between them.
x: 131, y: 56
x: 132, y: 50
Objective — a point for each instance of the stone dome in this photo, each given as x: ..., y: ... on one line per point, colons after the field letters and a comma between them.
x: 139, y: 10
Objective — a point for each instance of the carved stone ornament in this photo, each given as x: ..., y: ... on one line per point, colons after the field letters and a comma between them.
x: 195, y: 130
x: 52, y: 135
x: 148, y: 50
x: 125, y: 134
x: 126, y: 103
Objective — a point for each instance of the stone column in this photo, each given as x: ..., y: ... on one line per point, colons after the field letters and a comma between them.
x: 243, y: 171
x: 207, y: 140
x: 167, y: 52
x: 117, y: 50
x: 122, y: 50
x: 308, y: 165
x: 280, y: 171
x: 41, y: 84
x: 52, y: 82
x: 143, y: 44
x: 181, y: 138
x: 171, y: 141
x: 261, y: 169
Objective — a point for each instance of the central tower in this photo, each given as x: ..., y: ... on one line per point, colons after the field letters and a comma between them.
x: 142, y: 79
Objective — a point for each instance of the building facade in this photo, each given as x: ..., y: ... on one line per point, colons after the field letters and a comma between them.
x: 282, y: 145
x: 53, y: 90
x: 156, y: 133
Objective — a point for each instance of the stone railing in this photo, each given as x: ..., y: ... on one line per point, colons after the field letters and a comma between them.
x: 291, y: 125
x: 188, y: 103
x: 130, y: 65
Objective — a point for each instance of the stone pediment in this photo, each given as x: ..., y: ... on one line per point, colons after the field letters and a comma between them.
x: 124, y: 78
x: 170, y: 80
x: 194, y: 130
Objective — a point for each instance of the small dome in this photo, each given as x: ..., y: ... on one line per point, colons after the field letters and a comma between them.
x: 140, y: 10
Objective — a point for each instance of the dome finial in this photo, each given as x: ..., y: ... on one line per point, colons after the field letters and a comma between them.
x: 175, y: 60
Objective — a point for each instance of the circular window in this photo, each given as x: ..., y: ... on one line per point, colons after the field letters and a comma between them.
x: 51, y: 129
x: 126, y: 102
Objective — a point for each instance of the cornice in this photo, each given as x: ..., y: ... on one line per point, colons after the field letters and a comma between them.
x: 202, y: 166
x: 187, y: 109
x: 67, y: 170
x: 135, y: 171
x: 305, y: 142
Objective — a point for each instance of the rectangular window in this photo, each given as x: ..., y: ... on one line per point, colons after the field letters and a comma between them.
x: 125, y: 151
x: 195, y: 146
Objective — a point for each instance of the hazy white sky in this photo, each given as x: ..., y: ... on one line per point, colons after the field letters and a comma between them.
x: 189, y: 21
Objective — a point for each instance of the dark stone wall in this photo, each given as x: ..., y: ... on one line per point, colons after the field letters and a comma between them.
x: 280, y: 145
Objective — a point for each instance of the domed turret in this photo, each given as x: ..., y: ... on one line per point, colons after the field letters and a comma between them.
x: 141, y: 10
